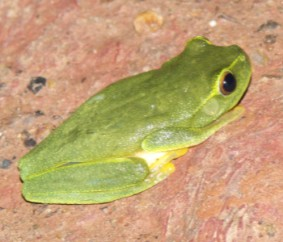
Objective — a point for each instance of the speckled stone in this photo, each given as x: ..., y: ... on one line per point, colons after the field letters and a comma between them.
x: 229, y: 188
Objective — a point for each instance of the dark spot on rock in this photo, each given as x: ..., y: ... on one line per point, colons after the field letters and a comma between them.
x: 38, y: 113
x: 36, y: 84
x: 269, y: 25
x: 30, y: 142
x: 5, y: 164
x: 18, y: 72
x: 83, y: 79
x: 2, y: 85
x: 270, y: 39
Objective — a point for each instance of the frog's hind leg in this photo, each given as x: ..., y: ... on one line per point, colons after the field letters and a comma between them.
x: 98, y: 181
x: 88, y: 182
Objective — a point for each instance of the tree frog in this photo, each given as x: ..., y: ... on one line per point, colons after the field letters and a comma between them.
x: 123, y: 139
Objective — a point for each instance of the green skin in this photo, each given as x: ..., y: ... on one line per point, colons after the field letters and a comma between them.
x: 122, y: 140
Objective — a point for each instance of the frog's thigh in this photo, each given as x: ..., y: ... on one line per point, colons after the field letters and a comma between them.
x: 90, y: 182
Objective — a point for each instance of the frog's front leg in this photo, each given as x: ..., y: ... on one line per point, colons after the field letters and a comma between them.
x: 174, y: 138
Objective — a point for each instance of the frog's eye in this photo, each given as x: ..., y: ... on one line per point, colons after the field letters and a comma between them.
x: 227, y: 83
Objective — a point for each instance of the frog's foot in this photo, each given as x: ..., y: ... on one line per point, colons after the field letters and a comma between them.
x: 159, y: 163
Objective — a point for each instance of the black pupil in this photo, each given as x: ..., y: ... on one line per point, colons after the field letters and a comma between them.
x: 229, y: 83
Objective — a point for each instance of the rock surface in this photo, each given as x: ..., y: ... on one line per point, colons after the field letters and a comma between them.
x: 229, y: 188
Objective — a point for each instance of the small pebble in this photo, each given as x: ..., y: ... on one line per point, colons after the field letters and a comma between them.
x: 148, y: 21
x: 36, y: 84
x: 212, y: 23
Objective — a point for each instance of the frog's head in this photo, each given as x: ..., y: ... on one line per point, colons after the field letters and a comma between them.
x: 223, y: 77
